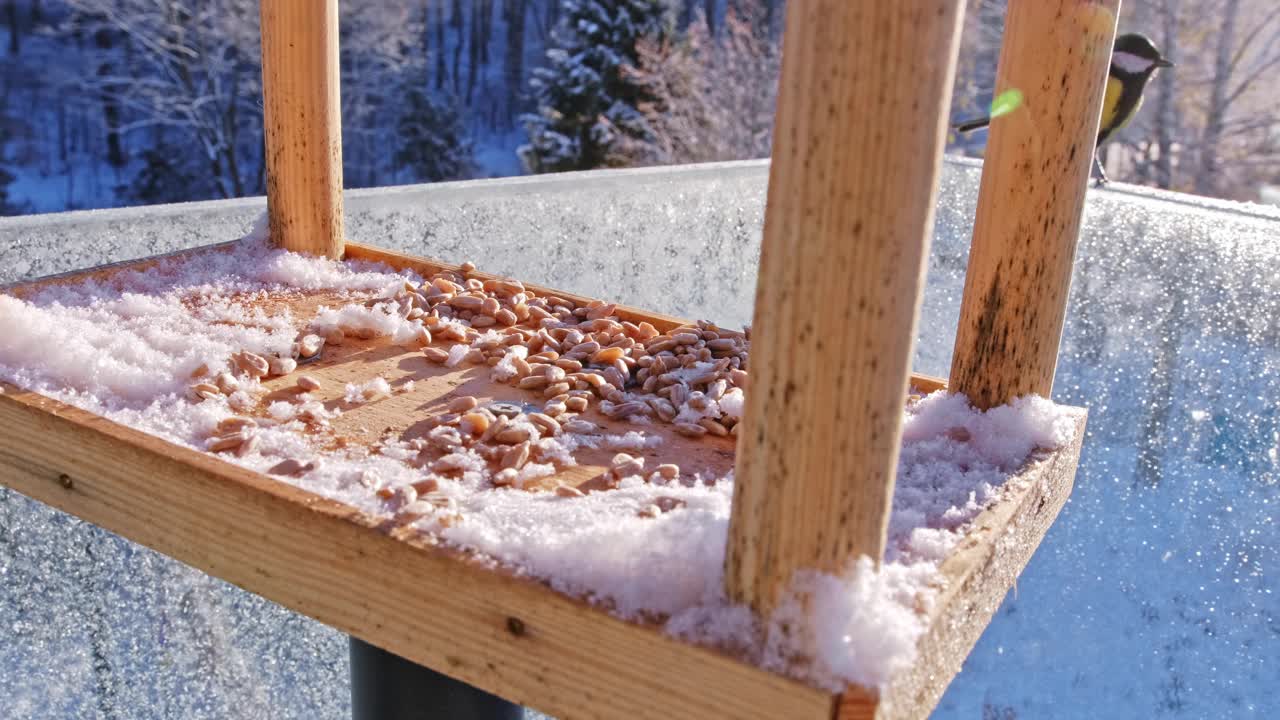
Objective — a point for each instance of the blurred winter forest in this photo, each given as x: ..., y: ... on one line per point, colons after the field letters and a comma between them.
x: 120, y: 102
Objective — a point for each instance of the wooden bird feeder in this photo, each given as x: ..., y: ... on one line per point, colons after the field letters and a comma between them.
x: 862, y: 117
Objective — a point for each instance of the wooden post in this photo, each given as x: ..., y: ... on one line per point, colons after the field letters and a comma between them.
x: 303, y: 122
x: 1033, y: 185
x: 861, y: 122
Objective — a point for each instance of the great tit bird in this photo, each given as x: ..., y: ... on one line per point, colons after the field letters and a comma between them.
x: 1134, y: 59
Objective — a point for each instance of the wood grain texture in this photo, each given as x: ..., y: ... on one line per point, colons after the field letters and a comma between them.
x: 303, y: 124
x: 1033, y: 187
x: 393, y: 587
x: 510, y: 636
x: 861, y: 120
x: 978, y: 575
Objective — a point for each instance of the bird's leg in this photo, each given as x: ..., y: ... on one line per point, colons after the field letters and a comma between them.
x: 1102, y: 172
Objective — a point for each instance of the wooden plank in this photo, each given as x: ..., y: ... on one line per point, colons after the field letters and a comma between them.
x: 978, y: 575
x: 847, y: 227
x: 302, y: 122
x: 394, y: 588
x: 510, y: 636
x: 1029, y: 206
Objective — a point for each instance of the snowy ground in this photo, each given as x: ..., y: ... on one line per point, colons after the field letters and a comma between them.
x: 1145, y: 600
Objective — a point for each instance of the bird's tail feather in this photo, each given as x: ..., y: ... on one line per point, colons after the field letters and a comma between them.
x: 971, y: 125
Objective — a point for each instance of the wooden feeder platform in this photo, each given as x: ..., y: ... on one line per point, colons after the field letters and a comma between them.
x: 397, y: 588
x: 845, y: 245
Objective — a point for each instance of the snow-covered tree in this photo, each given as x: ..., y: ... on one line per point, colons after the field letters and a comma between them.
x: 711, y: 96
x: 186, y: 71
x: 585, y: 100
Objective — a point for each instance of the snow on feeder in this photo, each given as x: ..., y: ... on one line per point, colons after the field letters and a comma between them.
x: 591, y: 509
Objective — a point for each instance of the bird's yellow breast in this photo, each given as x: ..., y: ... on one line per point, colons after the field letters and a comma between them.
x: 1111, y: 118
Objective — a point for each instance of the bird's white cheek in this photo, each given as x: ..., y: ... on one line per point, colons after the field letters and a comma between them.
x: 1130, y: 63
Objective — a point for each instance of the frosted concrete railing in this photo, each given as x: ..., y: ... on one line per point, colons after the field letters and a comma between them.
x: 1155, y: 592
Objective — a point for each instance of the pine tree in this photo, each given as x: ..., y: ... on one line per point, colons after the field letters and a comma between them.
x: 8, y: 207
x: 513, y: 13
x: 169, y: 173
x: 433, y: 144
x: 585, y: 97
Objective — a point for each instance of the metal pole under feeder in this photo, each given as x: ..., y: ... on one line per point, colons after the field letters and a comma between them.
x: 385, y: 686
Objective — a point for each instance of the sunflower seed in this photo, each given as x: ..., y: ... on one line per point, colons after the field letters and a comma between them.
x: 281, y: 366
x: 307, y: 383
x: 547, y: 424
x: 690, y: 429
x: 227, y: 383
x: 516, y: 457
x: 226, y: 442
x: 462, y: 404
x: 310, y: 345
x: 714, y: 427
x: 204, y: 391
x: 251, y: 364
x: 291, y: 467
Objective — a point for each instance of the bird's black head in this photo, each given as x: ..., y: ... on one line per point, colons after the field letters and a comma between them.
x: 1135, y: 54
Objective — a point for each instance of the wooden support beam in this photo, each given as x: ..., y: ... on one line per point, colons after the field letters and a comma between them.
x: 303, y: 124
x: 1033, y: 187
x: 862, y: 109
